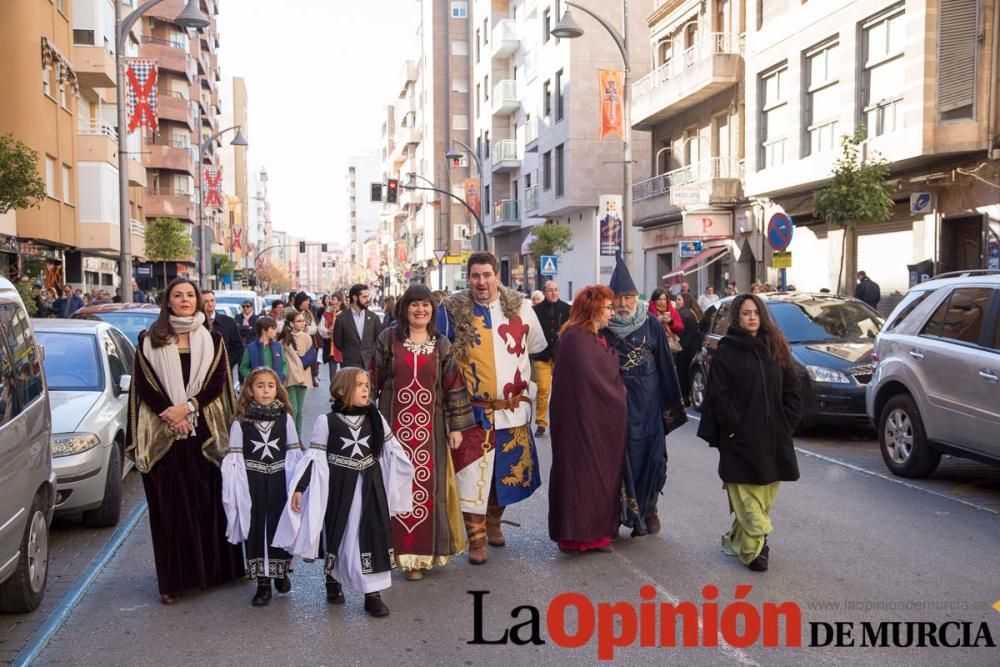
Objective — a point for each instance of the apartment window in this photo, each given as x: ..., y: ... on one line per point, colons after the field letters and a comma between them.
x: 459, y: 47
x: 62, y: 87
x: 459, y: 121
x: 84, y: 37
x: 957, y: 62
x: 459, y: 9
x: 560, y: 172
x: 486, y: 88
x: 547, y: 170
x: 67, y: 180
x: 460, y: 85
x: 479, y: 91
x: 773, y: 117
x: 768, y: 10
x: 883, y: 77
x: 486, y: 143
x: 47, y: 81
x: 50, y: 176
x: 546, y: 25
x: 486, y: 193
x: 821, y: 99
x: 478, y: 37
x: 559, y: 95
x: 547, y: 99
x: 479, y: 145
x: 486, y: 31
x: 663, y: 52
x: 557, y: 12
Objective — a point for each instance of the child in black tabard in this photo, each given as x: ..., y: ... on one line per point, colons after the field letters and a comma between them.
x: 264, y: 449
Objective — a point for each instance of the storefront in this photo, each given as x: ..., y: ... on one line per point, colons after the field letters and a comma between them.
x: 8, y: 256
x: 41, y: 264
x: 697, y: 250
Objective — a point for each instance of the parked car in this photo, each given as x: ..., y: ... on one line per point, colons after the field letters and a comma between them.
x: 832, y: 338
x: 88, y: 369
x: 237, y: 297
x: 936, y: 386
x: 227, y: 309
x: 129, y: 318
x: 28, y: 481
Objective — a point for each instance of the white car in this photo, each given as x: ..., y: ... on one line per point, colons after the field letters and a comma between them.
x: 88, y: 368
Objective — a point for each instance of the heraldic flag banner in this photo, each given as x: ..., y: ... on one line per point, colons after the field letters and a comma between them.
x: 141, y: 75
x: 612, y: 110
x: 213, y: 186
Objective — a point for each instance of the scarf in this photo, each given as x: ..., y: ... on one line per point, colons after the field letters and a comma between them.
x: 166, y: 361
x: 624, y: 327
x: 264, y: 413
x: 374, y: 416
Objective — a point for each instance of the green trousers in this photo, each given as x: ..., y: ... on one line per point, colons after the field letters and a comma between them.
x: 297, y: 398
x: 750, y: 505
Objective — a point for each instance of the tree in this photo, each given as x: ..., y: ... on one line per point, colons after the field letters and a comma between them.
x: 222, y: 264
x: 275, y: 277
x: 551, y: 240
x: 857, y: 194
x: 21, y: 185
x: 167, y: 239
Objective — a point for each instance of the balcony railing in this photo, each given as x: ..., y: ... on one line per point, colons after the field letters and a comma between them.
x: 159, y: 41
x: 505, y: 100
x: 703, y: 170
x: 698, y: 70
x: 95, y: 126
x: 505, y: 38
x: 505, y: 212
x: 504, y: 156
x: 531, y: 198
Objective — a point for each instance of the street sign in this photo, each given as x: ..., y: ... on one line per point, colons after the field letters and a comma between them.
x: 440, y: 254
x: 550, y: 265
x: 144, y: 270
x: 690, y: 249
x: 781, y: 260
x: 920, y: 202
x: 779, y: 231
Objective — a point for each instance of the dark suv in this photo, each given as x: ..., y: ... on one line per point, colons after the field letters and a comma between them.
x: 831, y: 337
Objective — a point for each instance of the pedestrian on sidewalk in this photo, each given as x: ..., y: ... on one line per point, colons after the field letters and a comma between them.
x: 303, y: 304
x: 750, y: 410
x: 552, y: 314
x: 357, y: 329
x: 265, y: 351
x: 589, y: 430
x: 654, y: 400
x: 264, y: 448
x: 354, y: 477
x: 691, y: 315
x: 180, y: 409
x: 493, y: 331
x: 327, y: 323
x: 661, y: 306
x: 708, y: 298
x: 420, y: 391
x: 299, y: 354
x: 868, y: 290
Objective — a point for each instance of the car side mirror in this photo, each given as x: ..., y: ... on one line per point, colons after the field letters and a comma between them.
x: 124, y: 384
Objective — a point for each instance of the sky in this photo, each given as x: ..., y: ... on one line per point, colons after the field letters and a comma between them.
x: 319, y: 74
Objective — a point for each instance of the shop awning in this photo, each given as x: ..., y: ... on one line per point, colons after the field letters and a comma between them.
x: 706, y: 256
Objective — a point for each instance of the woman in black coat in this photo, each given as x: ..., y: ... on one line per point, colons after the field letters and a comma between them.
x: 751, y: 407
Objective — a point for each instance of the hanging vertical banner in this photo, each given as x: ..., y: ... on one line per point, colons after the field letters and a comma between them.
x: 142, y: 89
x: 609, y: 209
x: 472, y: 194
x: 237, y: 241
x: 612, y: 111
x: 213, y: 186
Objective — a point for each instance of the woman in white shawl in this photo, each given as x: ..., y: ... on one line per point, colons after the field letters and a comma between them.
x: 180, y: 409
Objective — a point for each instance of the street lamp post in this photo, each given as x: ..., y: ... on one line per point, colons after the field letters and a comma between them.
x: 457, y: 155
x: 567, y: 28
x: 238, y: 140
x: 191, y: 17
x: 412, y: 185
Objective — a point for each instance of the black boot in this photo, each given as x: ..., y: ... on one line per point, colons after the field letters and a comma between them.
x: 263, y: 595
x: 759, y: 564
x: 283, y: 584
x: 334, y: 593
x: 375, y: 606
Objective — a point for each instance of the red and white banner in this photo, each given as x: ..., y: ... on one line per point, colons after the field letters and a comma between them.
x: 213, y: 186
x: 142, y: 87
x: 612, y: 111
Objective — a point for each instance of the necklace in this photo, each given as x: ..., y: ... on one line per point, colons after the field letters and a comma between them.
x: 427, y: 347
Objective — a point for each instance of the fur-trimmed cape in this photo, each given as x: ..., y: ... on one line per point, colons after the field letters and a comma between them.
x: 460, y: 308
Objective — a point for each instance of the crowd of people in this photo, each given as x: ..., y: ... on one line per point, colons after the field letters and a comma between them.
x: 432, y: 429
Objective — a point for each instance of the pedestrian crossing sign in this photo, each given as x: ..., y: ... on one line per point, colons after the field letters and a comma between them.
x: 550, y: 265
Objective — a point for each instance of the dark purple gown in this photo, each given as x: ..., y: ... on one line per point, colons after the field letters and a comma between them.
x: 184, y: 494
x: 589, y: 439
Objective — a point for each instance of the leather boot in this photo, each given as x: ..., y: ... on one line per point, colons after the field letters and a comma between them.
x: 334, y: 593
x: 475, y: 528
x: 653, y: 521
x: 374, y: 605
x: 263, y: 595
x: 493, y: 533
x: 283, y: 584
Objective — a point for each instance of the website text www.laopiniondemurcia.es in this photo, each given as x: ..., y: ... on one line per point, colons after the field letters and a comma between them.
x: 738, y: 624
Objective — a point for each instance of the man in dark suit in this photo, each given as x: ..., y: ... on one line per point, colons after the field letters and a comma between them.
x: 226, y: 326
x: 356, y: 330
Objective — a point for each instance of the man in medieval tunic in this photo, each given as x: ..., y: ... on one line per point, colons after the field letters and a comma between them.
x: 493, y: 331
x: 654, y: 401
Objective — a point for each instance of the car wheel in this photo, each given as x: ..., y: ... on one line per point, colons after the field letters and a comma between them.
x: 110, y: 510
x: 903, y: 440
x: 698, y: 387
x: 23, y: 591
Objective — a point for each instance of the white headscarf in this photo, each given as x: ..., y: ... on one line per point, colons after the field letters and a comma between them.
x: 166, y: 360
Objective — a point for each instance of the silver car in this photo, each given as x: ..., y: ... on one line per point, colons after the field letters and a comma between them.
x: 27, y: 480
x: 88, y: 369
x: 936, y: 385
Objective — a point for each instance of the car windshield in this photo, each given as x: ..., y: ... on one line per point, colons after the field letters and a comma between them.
x: 824, y: 319
x: 231, y: 300
x: 71, y: 361
x: 130, y: 323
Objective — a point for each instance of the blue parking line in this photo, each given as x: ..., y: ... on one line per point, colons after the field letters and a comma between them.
x: 59, y: 615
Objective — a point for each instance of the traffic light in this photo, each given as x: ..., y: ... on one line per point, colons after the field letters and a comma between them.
x: 392, y: 191
x: 323, y: 247
x: 376, y: 192
x: 302, y: 246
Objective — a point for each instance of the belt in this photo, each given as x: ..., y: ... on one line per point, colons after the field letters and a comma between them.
x: 509, y: 404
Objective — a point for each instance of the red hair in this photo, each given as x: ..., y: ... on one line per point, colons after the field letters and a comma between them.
x: 587, y: 305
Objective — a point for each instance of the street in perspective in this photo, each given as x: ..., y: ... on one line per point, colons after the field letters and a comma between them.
x: 500, y: 332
